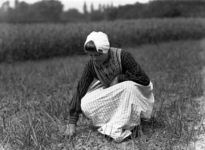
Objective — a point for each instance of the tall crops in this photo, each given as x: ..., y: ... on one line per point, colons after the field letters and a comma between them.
x: 40, y: 41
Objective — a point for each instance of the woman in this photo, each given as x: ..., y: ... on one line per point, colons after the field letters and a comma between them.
x: 121, y: 96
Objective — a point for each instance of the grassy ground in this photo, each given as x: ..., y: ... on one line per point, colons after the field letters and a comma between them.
x: 35, y: 96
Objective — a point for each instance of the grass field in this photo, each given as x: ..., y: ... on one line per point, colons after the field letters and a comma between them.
x: 35, y: 96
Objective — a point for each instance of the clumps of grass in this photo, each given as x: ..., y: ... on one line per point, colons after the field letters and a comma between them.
x: 179, y: 111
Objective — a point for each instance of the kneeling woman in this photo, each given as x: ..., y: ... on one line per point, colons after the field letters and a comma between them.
x: 120, y: 97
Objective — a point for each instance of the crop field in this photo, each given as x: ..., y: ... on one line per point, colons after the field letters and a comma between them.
x: 35, y: 96
x: 41, y: 41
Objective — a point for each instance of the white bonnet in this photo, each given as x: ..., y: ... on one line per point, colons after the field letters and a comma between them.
x: 100, y: 40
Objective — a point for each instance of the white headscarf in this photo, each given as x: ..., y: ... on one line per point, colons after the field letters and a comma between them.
x: 100, y: 40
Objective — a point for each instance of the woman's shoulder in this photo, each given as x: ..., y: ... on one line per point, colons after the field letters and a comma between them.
x: 125, y: 54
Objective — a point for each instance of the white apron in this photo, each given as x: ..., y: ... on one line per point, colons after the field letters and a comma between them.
x: 117, y: 110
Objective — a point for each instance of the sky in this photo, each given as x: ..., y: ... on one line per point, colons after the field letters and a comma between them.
x: 78, y: 4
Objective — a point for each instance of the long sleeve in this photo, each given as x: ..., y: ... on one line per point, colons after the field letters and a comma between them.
x: 132, y: 70
x: 83, y: 85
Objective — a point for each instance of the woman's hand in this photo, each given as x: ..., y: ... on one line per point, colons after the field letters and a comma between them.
x: 115, y: 81
x: 70, y: 130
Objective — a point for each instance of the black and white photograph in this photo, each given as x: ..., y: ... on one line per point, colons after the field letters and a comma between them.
x: 102, y: 74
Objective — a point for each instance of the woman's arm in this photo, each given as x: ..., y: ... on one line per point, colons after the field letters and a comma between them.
x: 132, y: 70
x: 83, y: 85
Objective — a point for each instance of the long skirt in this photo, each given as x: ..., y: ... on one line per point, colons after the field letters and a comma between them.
x: 116, y: 110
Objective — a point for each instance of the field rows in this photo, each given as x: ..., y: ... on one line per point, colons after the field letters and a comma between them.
x: 39, y: 41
